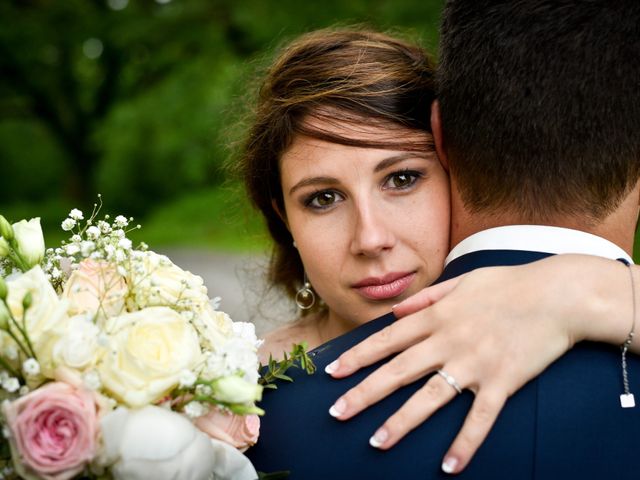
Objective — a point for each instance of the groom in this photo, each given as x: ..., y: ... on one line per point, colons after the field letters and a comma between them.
x: 538, y: 122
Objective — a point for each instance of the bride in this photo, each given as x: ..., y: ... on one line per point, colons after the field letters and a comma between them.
x: 341, y: 163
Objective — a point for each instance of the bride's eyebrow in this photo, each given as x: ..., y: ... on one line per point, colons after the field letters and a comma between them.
x: 390, y: 161
x: 313, y: 181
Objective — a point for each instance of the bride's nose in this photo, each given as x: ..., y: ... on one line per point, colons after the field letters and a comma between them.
x: 371, y: 231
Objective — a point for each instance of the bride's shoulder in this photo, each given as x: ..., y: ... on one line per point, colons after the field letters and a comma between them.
x: 280, y: 340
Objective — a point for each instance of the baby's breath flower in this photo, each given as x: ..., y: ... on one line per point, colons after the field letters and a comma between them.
x: 121, y: 221
x: 31, y: 367
x: 72, y: 249
x: 87, y: 247
x: 104, y: 226
x: 11, y: 352
x: 195, y: 409
x: 93, y: 232
x: 91, y: 380
x: 187, y: 379
x: 76, y: 214
x: 11, y: 385
x: 68, y: 224
x: 125, y: 243
x: 24, y: 390
x: 76, y: 238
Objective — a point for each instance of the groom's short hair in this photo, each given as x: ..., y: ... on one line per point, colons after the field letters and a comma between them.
x: 540, y: 104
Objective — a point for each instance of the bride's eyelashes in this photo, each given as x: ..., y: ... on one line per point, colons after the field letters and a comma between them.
x: 402, y: 180
x: 321, y: 200
x: 399, y: 181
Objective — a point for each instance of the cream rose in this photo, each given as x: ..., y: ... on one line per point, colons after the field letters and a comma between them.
x: 96, y: 287
x: 30, y: 241
x: 46, y: 310
x: 156, y: 281
x: 147, y: 352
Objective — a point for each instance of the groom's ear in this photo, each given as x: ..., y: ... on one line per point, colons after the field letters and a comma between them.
x: 436, y: 128
x: 280, y: 213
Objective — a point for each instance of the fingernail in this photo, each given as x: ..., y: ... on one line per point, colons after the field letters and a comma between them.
x: 393, y: 307
x: 332, y: 367
x: 379, y: 438
x: 338, y: 408
x: 449, y: 464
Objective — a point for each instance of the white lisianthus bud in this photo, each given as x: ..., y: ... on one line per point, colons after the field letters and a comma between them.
x: 6, y: 231
x: 30, y: 241
x: 233, y: 389
x: 4, y: 248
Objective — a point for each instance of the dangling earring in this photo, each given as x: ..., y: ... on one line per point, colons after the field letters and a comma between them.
x: 305, y: 298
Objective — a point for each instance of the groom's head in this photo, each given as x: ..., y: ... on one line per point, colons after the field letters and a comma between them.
x: 540, y: 106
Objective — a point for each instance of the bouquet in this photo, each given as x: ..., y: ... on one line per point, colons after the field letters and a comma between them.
x: 115, y: 363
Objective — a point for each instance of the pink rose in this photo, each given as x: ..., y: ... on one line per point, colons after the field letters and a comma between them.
x: 237, y: 430
x: 53, y: 431
x: 95, y: 287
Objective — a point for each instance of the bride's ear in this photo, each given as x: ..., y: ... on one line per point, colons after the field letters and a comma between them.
x: 280, y: 213
x: 436, y: 128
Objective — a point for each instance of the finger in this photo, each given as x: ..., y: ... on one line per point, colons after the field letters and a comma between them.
x: 396, y: 373
x: 422, y: 404
x: 396, y: 337
x: 424, y: 298
x: 481, y: 417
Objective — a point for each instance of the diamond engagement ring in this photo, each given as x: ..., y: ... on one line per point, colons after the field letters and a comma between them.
x: 450, y: 380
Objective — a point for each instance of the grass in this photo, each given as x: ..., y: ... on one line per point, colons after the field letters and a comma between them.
x: 219, y: 219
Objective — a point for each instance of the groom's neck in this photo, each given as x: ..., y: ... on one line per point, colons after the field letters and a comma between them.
x: 618, y: 227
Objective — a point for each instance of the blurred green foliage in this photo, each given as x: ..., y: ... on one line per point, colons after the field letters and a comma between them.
x: 138, y: 99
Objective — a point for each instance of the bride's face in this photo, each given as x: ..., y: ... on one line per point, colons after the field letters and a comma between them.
x: 371, y: 225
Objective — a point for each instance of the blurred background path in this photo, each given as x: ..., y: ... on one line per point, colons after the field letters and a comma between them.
x: 238, y: 279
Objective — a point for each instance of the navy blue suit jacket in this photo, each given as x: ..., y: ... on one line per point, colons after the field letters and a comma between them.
x: 565, y: 424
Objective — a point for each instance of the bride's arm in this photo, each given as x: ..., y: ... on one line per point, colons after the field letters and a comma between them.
x: 493, y: 329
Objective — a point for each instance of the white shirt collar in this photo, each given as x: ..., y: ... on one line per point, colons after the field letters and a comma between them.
x: 538, y: 238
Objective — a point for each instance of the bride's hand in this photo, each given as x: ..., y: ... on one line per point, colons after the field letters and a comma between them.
x: 493, y: 330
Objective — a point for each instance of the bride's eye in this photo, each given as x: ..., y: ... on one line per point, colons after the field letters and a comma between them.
x: 323, y: 199
x: 402, y: 180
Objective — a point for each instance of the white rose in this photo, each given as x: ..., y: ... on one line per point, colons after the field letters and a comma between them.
x: 30, y: 241
x: 158, y: 282
x: 77, y: 344
x: 233, y: 389
x: 46, y: 310
x: 147, y: 352
x: 95, y: 287
x: 215, y: 327
x: 156, y: 443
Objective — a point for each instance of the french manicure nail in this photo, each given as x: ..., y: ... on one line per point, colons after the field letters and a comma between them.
x: 332, y: 367
x: 338, y: 408
x: 449, y: 464
x: 379, y: 438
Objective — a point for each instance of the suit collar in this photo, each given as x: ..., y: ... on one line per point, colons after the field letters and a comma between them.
x: 538, y: 238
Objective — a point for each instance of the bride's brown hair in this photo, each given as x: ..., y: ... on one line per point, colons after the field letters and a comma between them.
x: 349, y: 77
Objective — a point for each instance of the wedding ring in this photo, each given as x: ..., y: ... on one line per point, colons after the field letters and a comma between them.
x: 450, y: 380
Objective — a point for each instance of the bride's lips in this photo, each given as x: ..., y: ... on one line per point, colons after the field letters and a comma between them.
x: 383, y: 288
